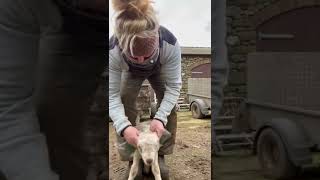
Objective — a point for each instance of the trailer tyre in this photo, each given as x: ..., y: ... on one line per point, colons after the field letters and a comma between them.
x: 196, y: 111
x: 273, y: 156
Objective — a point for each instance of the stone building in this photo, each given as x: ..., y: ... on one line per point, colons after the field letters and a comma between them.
x: 196, y: 62
x: 267, y: 25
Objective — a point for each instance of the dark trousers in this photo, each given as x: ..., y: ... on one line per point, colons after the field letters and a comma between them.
x: 130, y: 87
x: 49, y: 74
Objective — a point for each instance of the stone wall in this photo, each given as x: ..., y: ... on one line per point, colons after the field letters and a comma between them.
x: 241, y: 40
x: 243, y: 16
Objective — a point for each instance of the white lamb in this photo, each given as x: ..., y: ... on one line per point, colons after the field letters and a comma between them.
x: 147, y: 150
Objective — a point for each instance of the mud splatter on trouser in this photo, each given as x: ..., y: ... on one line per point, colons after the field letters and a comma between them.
x: 130, y: 87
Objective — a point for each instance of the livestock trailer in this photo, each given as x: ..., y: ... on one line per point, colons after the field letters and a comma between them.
x: 199, y: 96
x: 283, y: 110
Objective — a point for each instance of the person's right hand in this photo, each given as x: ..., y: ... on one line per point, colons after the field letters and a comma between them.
x: 131, y: 134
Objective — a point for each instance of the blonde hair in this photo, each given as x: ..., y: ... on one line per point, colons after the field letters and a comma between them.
x: 134, y: 18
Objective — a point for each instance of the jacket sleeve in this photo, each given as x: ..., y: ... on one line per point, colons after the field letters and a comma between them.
x: 171, y: 71
x: 116, y: 108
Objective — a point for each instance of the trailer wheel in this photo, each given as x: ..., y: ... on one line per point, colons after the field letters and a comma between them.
x: 273, y: 156
x: 196, y: 110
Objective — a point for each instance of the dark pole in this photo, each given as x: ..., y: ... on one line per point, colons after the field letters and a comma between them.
x: 219, y: 61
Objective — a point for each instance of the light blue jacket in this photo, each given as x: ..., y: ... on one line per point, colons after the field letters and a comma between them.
x: 170, y: 59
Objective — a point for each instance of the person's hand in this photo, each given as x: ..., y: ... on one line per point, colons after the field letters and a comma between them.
x: 131, y: 134
x: 157, y: 126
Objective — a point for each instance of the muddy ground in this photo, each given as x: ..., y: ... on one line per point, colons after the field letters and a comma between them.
x: 242, y: 165
x: 192, y: 155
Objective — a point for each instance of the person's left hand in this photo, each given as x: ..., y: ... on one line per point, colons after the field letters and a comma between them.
x: 157, y: 126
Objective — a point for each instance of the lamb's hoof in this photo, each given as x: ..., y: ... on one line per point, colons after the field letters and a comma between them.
x: 164, y: 169
x: 139, y: 175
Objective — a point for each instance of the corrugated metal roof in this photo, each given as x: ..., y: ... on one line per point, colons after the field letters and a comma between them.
x: 195, y: 50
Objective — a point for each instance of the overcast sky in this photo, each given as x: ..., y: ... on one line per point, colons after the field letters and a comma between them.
x: 188, y: 20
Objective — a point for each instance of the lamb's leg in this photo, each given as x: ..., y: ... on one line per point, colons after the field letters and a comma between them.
x: 156, y: 169
x: 135, y: 166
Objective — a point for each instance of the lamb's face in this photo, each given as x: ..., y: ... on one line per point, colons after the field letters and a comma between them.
x: 148, y: 147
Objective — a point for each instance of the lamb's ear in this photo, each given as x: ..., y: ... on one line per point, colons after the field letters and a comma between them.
x: 165, y: 136
x: 125, y: 150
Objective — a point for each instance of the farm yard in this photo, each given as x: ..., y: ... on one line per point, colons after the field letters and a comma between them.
x: 191, y: 158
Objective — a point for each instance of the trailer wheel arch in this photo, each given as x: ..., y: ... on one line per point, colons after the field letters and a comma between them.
x: 295, y: 140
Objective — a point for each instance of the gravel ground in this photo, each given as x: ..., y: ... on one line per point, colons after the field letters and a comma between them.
x: 191, y: 158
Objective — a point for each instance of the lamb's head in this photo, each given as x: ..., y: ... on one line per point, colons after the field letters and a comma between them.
x: 148, y: 146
